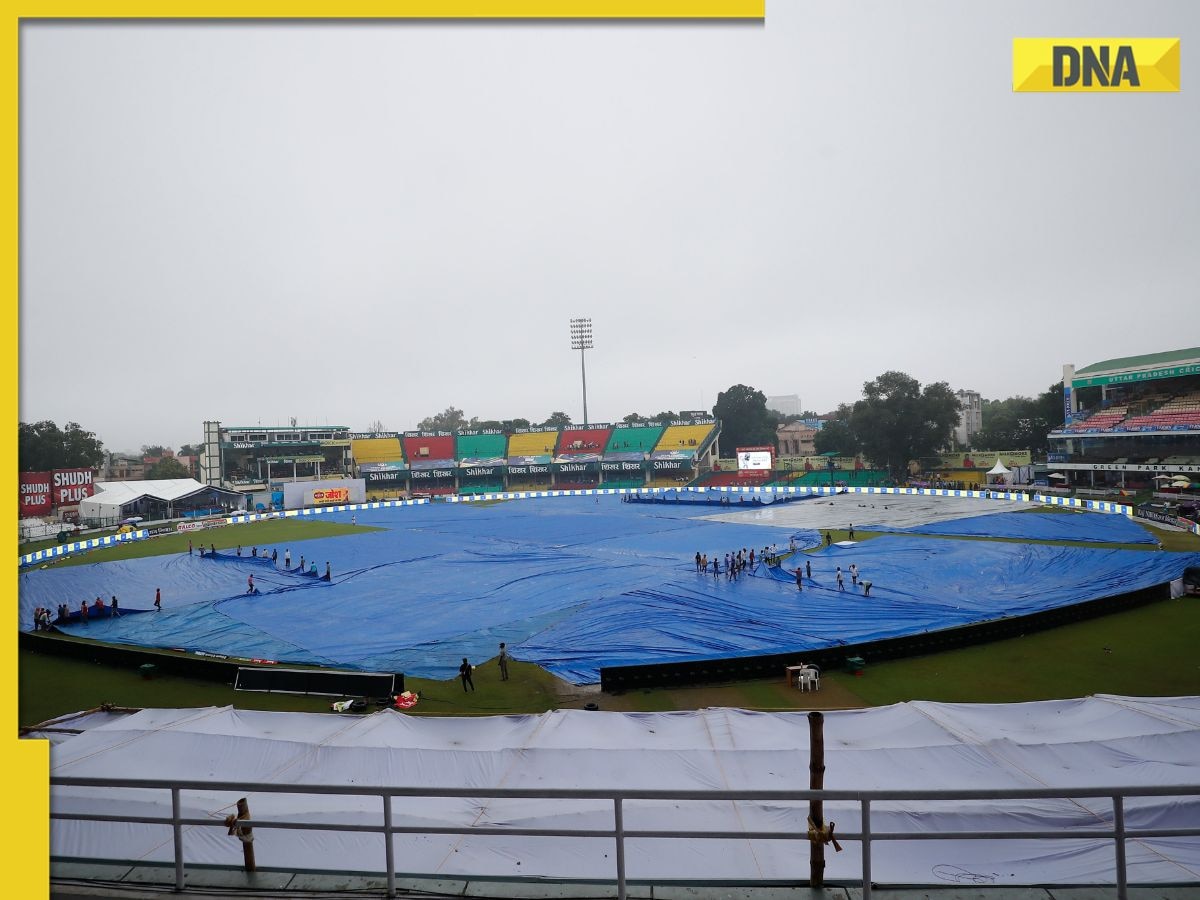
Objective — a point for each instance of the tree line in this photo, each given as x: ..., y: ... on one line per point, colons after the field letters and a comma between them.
x: 44, y: 446
x: 898, y: 419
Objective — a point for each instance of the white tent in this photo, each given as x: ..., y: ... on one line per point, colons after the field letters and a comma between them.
x: 1094, y: 742
x: 999, y: 473
x: 113, y: 499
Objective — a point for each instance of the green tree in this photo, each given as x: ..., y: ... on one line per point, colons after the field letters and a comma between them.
x: 43, y: 446
x: 663, y: 417
x: 837, y: 436
x: 744, y: 417
x: 449, y: 419
x: 897, y: 420
x: 558, y: 420
x: 634, y: 418
x: 1020, y: 423
x: 154, y: 450
x: 1049, y: 407
x: 167, y: 467
x: 193, y: 449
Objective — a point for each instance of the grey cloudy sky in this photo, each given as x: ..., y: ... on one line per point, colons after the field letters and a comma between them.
x: 354, y: 222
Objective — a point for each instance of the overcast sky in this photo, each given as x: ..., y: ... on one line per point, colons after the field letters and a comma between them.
x: 355, y: 222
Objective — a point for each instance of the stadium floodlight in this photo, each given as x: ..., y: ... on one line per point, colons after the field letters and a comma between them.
x: 581, y: 340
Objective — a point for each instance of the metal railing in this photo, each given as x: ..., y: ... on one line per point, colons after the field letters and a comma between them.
x: 1118, y: 833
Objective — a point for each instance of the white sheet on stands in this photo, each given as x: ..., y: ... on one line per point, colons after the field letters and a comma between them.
x: 1099, y: 741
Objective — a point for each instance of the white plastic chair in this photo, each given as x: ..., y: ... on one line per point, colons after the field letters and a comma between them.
x: 809, y: 678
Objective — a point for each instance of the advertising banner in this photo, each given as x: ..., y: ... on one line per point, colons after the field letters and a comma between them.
x: 576, y: 467
x: 389, y: 466
x: 331, y: 495
x: 529, y: 470
x: 985, y: 459
x: 624, y: 466
x: 755, y: 459
x: 35, y: 494
x: 431, y: 473
x: 481, y: 471
x: 72, y: 485
x: 390, y: 477
x: 671, y: 465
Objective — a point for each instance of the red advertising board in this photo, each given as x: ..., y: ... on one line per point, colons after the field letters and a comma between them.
x: 35, y: 494
x: 72, y: 485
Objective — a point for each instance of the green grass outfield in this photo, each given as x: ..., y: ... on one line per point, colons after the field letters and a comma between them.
x: 264, y: 535
x: 1147, y: 651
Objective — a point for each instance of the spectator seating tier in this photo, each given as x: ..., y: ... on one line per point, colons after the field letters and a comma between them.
x: 632, y: 440
x: 418, y: 449
x: 375, y: 450
x: 684, y: 437
x: 535, y: 443
x: 577, y: 440
x: 481, y: 446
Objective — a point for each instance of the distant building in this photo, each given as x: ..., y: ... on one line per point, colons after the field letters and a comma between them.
x: 123, y: 467
x: 785, y: 404
x: 970, y: 417
x: 796, y: 439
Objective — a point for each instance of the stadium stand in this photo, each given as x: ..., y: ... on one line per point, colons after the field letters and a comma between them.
x: 376, y: 450
x: 848, y: 477
x: 1105, y: 418
x: 481, y: 446
x: 630, y: 440
x: 684, y: 437
x: 733, y: 479
x: 428, y: 449
x: 528, y: 485
x: 433, y: 490
x: 481, y: 487
x: 578, y: 440
x: 788, y: 478
x: 1127, y: 418
x: 534, y: 443
x: 669, y: 482
x: 1181, y: 410
x: 624, y: 483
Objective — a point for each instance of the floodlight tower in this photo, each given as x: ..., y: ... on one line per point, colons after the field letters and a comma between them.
x: 581, y: 340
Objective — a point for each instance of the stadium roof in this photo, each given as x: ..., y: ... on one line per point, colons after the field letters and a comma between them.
x: 285, y: 427
x: 1169, y: 358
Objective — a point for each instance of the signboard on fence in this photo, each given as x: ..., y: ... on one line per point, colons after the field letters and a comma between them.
x: 755, y: 459
x: 72, y: 486
x: 331, y: 495
x: 35, y: 494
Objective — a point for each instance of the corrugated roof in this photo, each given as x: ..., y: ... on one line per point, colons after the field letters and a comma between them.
x: 1171, y: 357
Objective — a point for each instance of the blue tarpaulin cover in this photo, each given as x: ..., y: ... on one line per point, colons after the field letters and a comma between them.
x: 1092, y: 527
x: 573, y: 584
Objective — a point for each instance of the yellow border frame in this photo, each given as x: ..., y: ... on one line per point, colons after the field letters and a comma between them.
x: 26, y: 850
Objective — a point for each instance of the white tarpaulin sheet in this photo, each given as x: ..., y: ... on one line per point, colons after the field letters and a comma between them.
x: 1094, y: 742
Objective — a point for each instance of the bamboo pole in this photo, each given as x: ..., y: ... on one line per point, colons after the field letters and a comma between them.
x: 816, y: 808
x: 245, y: 833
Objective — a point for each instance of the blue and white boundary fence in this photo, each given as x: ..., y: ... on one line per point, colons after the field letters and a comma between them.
x: 1103, y: 506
